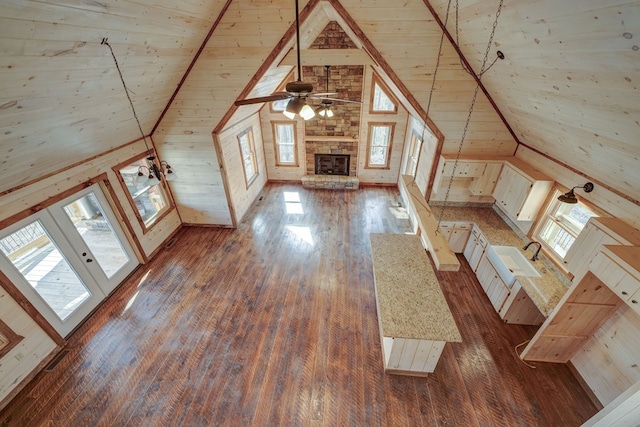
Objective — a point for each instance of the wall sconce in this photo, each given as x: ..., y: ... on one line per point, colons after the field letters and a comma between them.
x: 570, y: 197
x: 154, y: 173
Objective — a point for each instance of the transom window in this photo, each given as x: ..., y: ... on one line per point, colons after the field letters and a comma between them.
x: 379, y: 146
x: 248, y: 155
x: 148, y: 197
x: 561, y: 225
x: 284, y: 135
x: 382, y: 101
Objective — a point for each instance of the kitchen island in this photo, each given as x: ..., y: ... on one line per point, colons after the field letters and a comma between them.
x: 413, y: 315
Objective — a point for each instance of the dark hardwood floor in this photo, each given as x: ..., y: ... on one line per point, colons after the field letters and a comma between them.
x: 274, y: 324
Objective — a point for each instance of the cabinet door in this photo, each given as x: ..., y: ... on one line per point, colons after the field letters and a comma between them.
x: 497, y: 291
x: 459, y: 237
x: 511, y: 190
x: 471, y: 244
x: 484, y: 184
x: 447, y: 229
x: 585, y: 248
x: 478, y: 252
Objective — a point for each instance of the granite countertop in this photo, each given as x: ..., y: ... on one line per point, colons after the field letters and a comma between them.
x: 545, y: 291
x: 408, y: 296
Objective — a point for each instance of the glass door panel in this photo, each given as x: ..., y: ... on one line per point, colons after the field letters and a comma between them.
x: 41, y: 263
x: 89, y: 220
x: 89, y: 224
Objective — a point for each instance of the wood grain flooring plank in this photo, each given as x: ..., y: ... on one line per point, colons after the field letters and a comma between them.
x: 274, y: 323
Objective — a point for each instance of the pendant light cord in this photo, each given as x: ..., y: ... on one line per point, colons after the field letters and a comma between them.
x: 473, y: 102
x: 105, y: 41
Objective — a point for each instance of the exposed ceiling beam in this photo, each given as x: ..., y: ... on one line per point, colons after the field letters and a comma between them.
x: 319, y: 57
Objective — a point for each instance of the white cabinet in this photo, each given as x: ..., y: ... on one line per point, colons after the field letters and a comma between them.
x: 521, y: 190
x: 474, y: 176
x: 492, y: 283
x: 457, y: 234
x: 475, y: 247
x: 598, y: 232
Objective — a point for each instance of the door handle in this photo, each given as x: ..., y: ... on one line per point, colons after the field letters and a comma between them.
x: 89, y: 260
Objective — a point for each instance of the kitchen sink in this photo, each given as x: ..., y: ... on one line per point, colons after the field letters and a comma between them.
x: 509, y: 262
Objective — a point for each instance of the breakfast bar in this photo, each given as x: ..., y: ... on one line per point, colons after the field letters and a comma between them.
x: 413, y: 315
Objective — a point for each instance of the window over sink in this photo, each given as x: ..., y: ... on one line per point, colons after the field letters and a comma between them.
x: 561, y: 224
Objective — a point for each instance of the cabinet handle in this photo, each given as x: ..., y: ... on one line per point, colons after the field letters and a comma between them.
x: 634, y: 301
x: 624, y: 293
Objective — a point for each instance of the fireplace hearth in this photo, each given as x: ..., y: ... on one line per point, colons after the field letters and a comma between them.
x: 332, y: 164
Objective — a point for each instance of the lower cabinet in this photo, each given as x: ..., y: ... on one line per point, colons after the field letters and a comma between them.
x: 457, y: 234
x: 475, y: 247
x: 519, y: 309
x: 495, y: 288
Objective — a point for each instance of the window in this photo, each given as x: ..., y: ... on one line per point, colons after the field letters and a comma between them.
x: 149, y: 200
x: 248, y: 155
x: 284, y: 135
x: 561, y: 225
x: 415, y: 144
x: 280, y: 105
x: 381, y: 101
x: 379, y: 145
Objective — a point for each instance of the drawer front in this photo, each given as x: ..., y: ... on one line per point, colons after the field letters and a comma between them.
x: 634, y: 301
x: 627, y: 287
x: 482, y: 241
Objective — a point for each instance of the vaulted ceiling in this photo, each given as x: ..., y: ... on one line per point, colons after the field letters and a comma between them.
x: 568, y: 87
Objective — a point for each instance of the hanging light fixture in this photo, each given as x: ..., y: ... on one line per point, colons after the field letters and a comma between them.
x: 154, y: 173
x: 570, y: 197
x: 324, y: 109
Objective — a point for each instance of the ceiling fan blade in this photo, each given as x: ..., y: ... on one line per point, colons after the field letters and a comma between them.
x: 323, y: 94
x: 337, y: 99
x: 277, y: 96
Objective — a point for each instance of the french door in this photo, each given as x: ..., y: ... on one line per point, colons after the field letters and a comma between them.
x: 67, y: 258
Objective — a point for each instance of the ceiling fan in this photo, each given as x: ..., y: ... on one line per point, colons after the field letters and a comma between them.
x: 298, y: 91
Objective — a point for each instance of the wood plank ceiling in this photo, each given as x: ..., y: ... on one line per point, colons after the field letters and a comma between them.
x: 568, y: 86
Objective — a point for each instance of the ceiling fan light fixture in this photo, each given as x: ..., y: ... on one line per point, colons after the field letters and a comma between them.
x: 307, y: 112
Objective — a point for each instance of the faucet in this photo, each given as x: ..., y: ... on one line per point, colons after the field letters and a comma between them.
x: 535, y: 255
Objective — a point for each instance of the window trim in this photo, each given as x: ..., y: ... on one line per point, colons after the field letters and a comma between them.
x: 274, y: 125
x: 552, y: 204
x: 419, y: 141
x: 377, y: 80
x: 389, y: 146
x: 252, y: 151
x: 11, y: 339
x: 163, y: 186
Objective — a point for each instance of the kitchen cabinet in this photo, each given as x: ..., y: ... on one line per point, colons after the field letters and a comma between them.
x: 481, y: 173
x: 521, y: 190
x: 475, y: 247
x: 598, y: 232
x: 496, y: 289
x: 613, y: 278
x: 457, y: 234
x: 519, y: 309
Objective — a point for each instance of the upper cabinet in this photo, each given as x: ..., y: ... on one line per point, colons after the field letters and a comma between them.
x: 466, y: 179
x: 598, y: 232
x: 521, y: 190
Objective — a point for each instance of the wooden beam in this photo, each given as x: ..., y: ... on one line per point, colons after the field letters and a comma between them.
x: 311, y: 57
x: 437, y: 244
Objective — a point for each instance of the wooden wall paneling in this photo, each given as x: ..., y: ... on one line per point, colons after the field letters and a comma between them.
x: 242, y: 197
x: 568, y: 85
x: 17, y: 365
x: 216, y: 80
x: 605, y: 199
x: 608, y: 361
x: 400, y: 118
x: 59, y: 82
x: 26, y: 197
